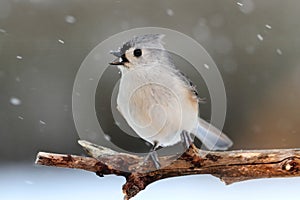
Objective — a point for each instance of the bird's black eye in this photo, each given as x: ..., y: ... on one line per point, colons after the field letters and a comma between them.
x: 137, y: 52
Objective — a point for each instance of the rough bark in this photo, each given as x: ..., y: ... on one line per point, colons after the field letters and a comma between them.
x: 229, y: 166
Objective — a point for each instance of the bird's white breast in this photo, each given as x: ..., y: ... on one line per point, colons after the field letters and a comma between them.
x: 156, y: 104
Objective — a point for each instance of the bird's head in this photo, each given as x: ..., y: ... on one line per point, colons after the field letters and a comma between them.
x: 141, y: 51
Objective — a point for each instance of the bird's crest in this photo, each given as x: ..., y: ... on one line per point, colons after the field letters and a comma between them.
x: 142, y: 41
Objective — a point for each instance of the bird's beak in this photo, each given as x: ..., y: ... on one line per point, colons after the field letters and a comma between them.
x: 121, y: 59
x: 116, y: 53
x: 116, y: 63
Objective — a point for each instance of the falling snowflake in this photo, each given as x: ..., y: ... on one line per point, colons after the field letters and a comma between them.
x: 260, y: 37
x: 170, y: 12
x: 239, y: 4
x: 15, y: 101
x: 20, y: 117
x: 206, y: 66
x: 268, y: 26
x: 107, y: 137
x: 70, y: 19
x: 42, y: 122
x: 279, y: 52
x: 2, y: 30
x: 61, y: 41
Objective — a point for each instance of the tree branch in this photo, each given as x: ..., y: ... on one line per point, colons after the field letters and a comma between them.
x: 229, y: 166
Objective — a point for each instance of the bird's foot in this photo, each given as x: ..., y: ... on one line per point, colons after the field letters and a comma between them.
x: 152, y: 157
x: 186, y: 139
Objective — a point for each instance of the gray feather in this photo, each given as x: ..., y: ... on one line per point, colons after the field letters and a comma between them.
x: 143, y: 41
x: 211, y: 137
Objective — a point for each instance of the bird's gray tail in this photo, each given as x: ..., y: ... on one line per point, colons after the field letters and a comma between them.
x: 211, y: 137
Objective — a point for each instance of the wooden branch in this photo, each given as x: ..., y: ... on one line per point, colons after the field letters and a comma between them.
x: 229, y: 166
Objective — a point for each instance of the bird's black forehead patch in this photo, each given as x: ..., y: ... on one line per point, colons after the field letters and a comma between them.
x: 121, y: 51
x: 125, y: 47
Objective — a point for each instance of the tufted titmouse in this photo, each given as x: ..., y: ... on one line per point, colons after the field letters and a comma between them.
x: 158, y: 102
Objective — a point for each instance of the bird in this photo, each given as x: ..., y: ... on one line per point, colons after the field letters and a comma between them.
x: 158, y: 101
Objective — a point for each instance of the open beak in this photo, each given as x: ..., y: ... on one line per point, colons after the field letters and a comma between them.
x: 121, y: 58
x: 116, y: 63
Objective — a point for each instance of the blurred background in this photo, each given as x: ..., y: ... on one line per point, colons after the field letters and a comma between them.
x: 255, y: 44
